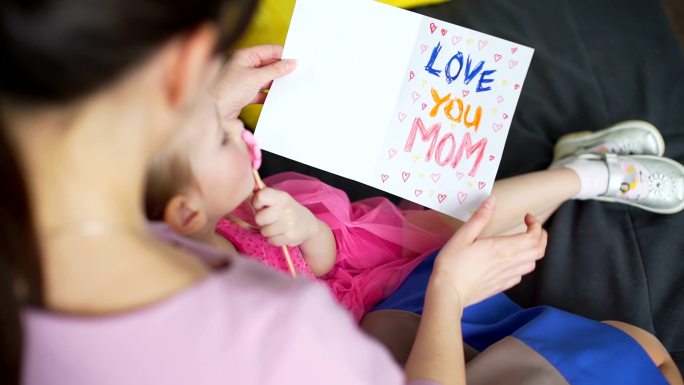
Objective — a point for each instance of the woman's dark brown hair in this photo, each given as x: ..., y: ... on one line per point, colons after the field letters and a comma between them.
x: 55, y: 51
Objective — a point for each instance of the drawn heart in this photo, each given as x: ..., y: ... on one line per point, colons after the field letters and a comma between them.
x: 418, y: 192
x: 433, y: 27
x: 435, y: 176
x: 469, y: 41
x: 499, y: 98
x: 423, y: 82
x: 415, y: 96
x: 494, y: 111
x: 482, y: 43
x: 455, y: 40
x: 392, y: 152
x: 459, y: 175
x: 441, y: 197
x: 504, y: 82
x: 505, y: 115
x: 384, y: 177
x: 497, y: 57
x: 516, y: 86
x: 415, y: 158
x: 462, y: 197
x: 405, y: 175
x: 514, y: 49
x: 432, y: 193
x: 465, y: 93
x: 423, y: 105
x: 469, y: 184
x: 401, y: 116
x: 443, y: 31
x: 423, y: 48
x: 491, y: 158
x: 411, y: 75
x: 495, y: 126
x: 512, y: 63
x: 481, y: 185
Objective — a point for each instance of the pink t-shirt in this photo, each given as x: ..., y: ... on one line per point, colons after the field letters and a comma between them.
x: 243, y: 325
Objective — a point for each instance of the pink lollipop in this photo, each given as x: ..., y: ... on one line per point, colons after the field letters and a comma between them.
x: 253, y: 148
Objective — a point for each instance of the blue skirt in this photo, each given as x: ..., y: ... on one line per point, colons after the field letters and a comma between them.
x: 581, y: 350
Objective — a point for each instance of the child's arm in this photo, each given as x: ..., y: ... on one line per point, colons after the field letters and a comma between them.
x: 284, y: 221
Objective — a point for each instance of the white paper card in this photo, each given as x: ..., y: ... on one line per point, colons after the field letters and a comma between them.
x: 405, y: 103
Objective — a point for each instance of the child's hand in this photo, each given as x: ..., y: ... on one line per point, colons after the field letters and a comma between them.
x: 245, y: 74
x: 283, y: 221
x: 477, y: 268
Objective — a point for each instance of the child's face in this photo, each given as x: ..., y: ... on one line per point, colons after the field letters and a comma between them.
x: 222, y: 168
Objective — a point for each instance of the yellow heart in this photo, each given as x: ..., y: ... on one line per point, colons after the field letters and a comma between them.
x: 470, y: 184
x: 494, y: 111
x: 421, y: 175
x: 504, y: 82
x: 415, y: 158
x: 453, y: 125
x: 469, y: 41
x: 424, y: 82
x: 432, y: 193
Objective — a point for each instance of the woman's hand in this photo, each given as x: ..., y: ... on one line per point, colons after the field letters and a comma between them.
x: 241, y: 80
x: 477, y: 268
x: 283, y: 221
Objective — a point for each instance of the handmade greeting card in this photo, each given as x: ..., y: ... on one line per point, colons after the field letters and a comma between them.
x: 405, y: 103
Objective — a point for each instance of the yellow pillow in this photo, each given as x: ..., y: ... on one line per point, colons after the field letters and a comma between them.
x: 269, y: 26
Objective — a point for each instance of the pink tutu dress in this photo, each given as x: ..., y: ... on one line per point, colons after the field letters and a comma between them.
x: 377, y: 246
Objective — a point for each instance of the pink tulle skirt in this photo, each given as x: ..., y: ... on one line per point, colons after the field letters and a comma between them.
x: 378, y: 244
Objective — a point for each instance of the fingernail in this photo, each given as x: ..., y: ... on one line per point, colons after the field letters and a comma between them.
x: 289, y: 64
x: 489, y: 202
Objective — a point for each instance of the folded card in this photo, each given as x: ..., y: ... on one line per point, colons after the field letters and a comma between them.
x: 405, y: 103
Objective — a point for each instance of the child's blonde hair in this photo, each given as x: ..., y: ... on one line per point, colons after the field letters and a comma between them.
x: 168, y: 174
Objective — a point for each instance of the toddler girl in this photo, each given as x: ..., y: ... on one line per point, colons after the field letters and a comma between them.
x: 364, y: 250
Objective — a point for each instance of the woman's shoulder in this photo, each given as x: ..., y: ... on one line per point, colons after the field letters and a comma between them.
x: 245, y: 324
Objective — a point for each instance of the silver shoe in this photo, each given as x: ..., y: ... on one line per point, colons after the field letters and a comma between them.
x: 663, y: 192
x: 629, y: 137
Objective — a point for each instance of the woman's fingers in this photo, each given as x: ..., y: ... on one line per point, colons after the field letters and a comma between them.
x: 242, y: 77
x: 258, y: 55
x: 534, y: 237
x: 472, y: 229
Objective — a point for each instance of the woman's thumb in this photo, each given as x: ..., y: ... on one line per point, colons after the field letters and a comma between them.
x: 275, y: 70
x: 473, y: 228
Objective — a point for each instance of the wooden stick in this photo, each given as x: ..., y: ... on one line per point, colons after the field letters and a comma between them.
x: 286, y: 253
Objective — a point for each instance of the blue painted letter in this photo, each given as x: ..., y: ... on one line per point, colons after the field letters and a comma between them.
x: 433, y: 57
x: 447, y: 69
x: 482, y: 81
x: 470, y: 75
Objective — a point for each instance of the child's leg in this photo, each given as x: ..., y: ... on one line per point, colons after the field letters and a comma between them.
x: 538, y: 193
x: 661, y: 358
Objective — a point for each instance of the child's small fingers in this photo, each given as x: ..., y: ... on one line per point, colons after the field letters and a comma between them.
x: 278, y: 240
x: 266, y: 216
x: 264, y: 198
x: 272, y: 230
